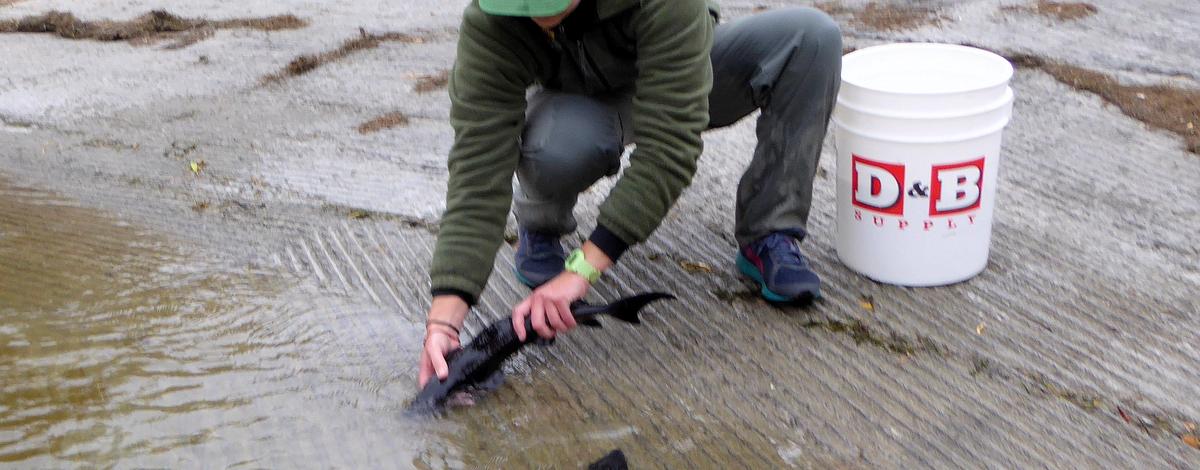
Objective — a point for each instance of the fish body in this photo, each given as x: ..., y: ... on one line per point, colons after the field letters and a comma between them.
x: 615, y: 460
x: 480, y: 361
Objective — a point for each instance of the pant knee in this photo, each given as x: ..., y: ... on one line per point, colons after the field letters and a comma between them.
x: 569, y: 142
x: 812, y: 21
x: 810, y: 28
x: 815, y: 29
x: 568, y: 163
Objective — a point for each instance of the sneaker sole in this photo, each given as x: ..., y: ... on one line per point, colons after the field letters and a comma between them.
x: 527, y: 282
x: 524, y: 280
x: 746, y: 267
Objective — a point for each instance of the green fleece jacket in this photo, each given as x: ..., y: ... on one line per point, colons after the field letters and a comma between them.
x: 499, y: 58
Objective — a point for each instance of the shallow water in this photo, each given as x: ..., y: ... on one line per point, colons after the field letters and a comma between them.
x: 121, y: 348
x: 124, y: 348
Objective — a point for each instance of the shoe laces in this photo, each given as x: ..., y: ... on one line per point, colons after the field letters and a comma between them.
x: 783, y: 249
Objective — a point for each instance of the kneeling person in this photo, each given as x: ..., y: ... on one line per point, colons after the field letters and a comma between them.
x: 656, y: 73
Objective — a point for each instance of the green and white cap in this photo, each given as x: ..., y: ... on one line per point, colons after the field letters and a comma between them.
x: 524, y: 7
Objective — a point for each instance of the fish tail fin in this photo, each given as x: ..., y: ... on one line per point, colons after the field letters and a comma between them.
x: 630, y: 316
x: 627, y: 309
x: 590, y: 322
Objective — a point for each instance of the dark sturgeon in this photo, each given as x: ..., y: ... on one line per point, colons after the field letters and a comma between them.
x: 480, y: 360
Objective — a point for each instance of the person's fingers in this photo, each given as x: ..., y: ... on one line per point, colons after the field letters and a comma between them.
x: 518, y: 318
x: 425, y: 369
x: 439, y: 362
x: 538, y: 315
x: 552, y: 316
x: 564, y: 310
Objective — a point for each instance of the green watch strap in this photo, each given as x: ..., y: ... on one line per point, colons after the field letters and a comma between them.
x: 577, y: 264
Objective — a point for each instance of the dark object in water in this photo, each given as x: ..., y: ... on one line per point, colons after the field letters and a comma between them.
x: 480, y: 360
x: 615, y: 460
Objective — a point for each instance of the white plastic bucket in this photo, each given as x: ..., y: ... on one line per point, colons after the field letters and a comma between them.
x: 923, y: 77
x: 918, y: 130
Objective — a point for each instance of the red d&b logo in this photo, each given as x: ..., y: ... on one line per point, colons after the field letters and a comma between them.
x: 877, y: 186
x: 956, y: 187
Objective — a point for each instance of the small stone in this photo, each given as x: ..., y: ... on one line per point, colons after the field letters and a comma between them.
x: 1192, y: 440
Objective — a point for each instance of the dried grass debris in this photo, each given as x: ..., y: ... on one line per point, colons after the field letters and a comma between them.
x: 1166, y: 107
x: 1062, y: 11
x: 386, y: 121
x: 364, y: 41
x: 147, y: 28
x: 896, y: 17
x: 885, y: 16
x: 430, y: 83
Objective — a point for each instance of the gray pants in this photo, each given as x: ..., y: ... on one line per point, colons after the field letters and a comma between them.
x: 786, y: 63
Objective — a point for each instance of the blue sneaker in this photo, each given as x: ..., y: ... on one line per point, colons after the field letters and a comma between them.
x: 776, y: 264
x: 539, y: 257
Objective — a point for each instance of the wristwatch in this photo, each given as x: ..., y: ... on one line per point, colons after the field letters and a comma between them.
x: 577, y: 264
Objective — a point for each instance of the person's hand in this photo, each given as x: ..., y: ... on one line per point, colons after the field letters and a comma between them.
x: 549, y: 306
x: 440, y: 339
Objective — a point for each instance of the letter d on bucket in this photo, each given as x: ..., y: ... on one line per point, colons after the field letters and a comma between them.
x: 917, y: 129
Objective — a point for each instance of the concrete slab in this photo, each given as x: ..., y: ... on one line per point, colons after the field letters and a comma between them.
x: 1076, y: 348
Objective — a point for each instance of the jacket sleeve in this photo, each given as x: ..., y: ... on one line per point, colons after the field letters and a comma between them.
x: 670, y: 110
x: 494, y: 66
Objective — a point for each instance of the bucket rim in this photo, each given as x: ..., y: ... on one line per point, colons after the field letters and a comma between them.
x: 861, y: 54
x: 992, y: 129
x: 1008, y: 98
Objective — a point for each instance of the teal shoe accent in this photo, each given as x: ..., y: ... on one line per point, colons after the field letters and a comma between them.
x: 746, y: 267
x: 523, y: 280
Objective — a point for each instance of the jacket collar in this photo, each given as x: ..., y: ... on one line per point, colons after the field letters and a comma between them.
x: 608, y: 8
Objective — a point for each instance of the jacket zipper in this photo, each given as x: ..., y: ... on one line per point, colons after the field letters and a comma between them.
x: 582, y: 63
x: 592, y: 66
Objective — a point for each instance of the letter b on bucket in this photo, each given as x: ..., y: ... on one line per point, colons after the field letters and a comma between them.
x: 956, y: 187
x: 918, y: 130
